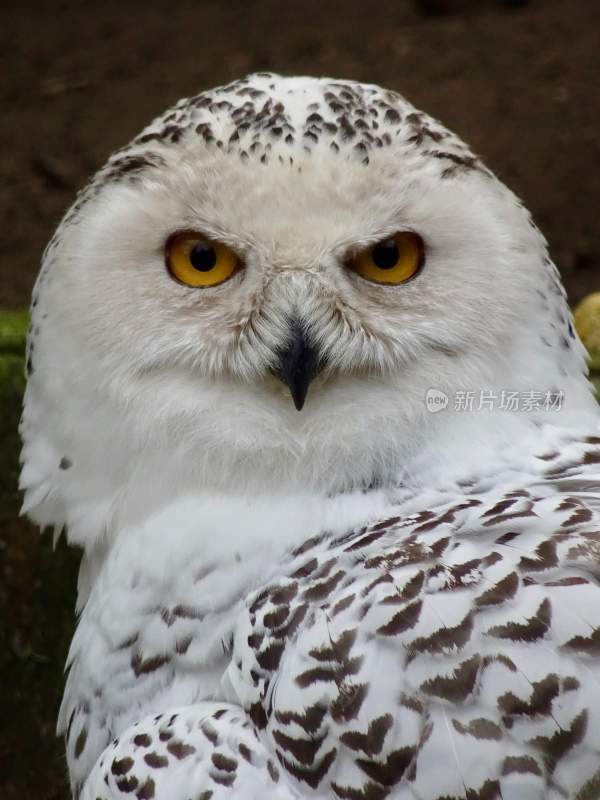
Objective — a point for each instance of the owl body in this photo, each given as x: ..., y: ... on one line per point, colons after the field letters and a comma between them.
x: 354, y: 594
x: 458, y: 629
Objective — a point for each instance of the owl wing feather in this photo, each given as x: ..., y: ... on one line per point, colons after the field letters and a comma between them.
x: 449, y: 650
x: 206, y: 751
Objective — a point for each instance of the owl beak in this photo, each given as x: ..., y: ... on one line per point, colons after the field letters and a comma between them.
x: 298, y: 364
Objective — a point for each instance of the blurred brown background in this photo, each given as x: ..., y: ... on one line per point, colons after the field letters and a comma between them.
x: 520, y: 81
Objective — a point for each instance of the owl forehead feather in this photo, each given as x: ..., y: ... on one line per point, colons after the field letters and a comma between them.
x: 266, y: 117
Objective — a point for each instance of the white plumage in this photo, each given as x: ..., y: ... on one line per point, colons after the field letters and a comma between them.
x: 359, y: 600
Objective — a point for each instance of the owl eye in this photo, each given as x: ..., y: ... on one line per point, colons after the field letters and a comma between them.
x: 196, y: 261
x: 391, y: 261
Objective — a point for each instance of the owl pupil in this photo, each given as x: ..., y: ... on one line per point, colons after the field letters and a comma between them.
x: 203, y: 257
x: 385, y: 254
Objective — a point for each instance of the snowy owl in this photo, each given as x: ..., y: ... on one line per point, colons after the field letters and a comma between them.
x: 304, y: 387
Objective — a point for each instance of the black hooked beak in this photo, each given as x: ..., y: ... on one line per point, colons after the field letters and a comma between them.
x: 298, y: 364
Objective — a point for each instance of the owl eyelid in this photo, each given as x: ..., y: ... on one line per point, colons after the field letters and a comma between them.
x: 194, y: 233
x: 188, y: 233
x: 355, y: 248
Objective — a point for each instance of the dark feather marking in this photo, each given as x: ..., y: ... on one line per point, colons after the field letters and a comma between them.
x: 277, y: 617
x: 409, y: 591
x: 480, y: 728
x: 580, y: 517
x: 502, y: 591
x: 127, y: 784
x: 456, y: 574
x: 387, y: 523
x: 182, y: 645
x: 127, y: 643
x: 227, y: 779
x: 284, y: 594
x: 437, y: 548
x: 80, y: 742
x: 381, y: 579
x: 255, y: 640
x: 310, y: 720
x: 570, y: 684
x: 490, y: 790
x: 339, y: 650
x: 273, y: 771
x: 574, y: 580
x: 316, y: 675
x: 507, y: 537
x: 457, y: 686
x: 585, y: 644
x: 142, y: 666
x: 342, y: 604
x: 245, y: 752
x: 592, y: 456
x: 306, y: 569
x: 349, y: 701
x: 390, y: 771
x: 533, y: 629
x: 259, y: 601
x: 370, y: 791
x: 156, y: 761
x: 543, y: 693
x: 223, y: 762
x: 372, y: 741
x: 294, y: 622
x: 308, y: 545
x: 121, y: 766
x: 180, y: 750
x: 445, y: 638
x: 321, y: 591
x: 520, y: 764
x: 269, y: 658
x: 411, y: 702
x: 562, y: 741
x: 146, y: 791
x: 403, y: 620
x: 500, y: 506
x: 371, y: 537
x: 324, y: 569
x: 303, y: 750
x: 258, y: 716
x: 188, y: 612
x: 210, y: 733
x: 545, y: 558
x: 312, y: 777
x: 506, y: 517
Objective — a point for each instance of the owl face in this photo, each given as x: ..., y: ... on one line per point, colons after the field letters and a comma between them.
x: 297, y: 241
x: 269, y: 279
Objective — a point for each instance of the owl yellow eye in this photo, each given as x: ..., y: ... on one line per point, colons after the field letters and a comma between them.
x: 196, y: 261
x: 392, y: 261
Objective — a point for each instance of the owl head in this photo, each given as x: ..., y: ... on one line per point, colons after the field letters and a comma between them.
x: 258, y: 293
